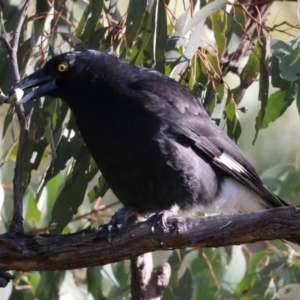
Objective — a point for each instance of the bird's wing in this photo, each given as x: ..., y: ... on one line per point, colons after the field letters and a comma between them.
x: 189, y: 121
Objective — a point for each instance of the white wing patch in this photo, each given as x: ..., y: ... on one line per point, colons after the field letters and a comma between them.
x: 230, y: 163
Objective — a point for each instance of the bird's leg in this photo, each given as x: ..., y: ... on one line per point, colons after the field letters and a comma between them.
x: 160, y: 219
x: 123, y: 216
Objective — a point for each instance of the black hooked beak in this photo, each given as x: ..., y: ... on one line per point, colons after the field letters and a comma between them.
x: 44, y: 82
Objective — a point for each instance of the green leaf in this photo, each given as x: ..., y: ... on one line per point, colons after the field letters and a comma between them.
x: 210, y: 98
x: 247, y: 283
x: 94, y: 282
x: 160, y: 38
x: 298, y: 98
x: 279, y: 48
x: 63, y: 155
x: 218, y: 25
x: 263, y: 86
x: 98, y: 190
x: 135, y: 16
x: 97, y: 37
x: 234, y: 129
x: 8, y: 119
x: 49, y: 285
x: 292, y: 57
x: 137, y: 54
x: 277, y: 80
x: 49, y: 137
x: 169, y: 294
x: 251, y: 70
x: 89, y: 20
x: 278, y: 102
x: 288, y: 56
x: 207, y: 283
x: 82, y: 22
x: 12, y: 153
x: 230, y: 110
x: 274, y: 108
x: 74, y: 189
x: 175, y: 261
x: 121, y: 273
x: 291, y: 185
x: 275, y: 171
x: 73, y: 40
x: 184, y: 289
x: 32, y: 213
x: 255, y: 261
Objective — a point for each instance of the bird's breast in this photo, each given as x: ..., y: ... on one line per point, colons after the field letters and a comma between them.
x: 145, y: 167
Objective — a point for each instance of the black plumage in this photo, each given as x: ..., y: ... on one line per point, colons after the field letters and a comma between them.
x: 151, y: 138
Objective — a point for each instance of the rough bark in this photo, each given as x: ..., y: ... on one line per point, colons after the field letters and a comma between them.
x: 91, y: 248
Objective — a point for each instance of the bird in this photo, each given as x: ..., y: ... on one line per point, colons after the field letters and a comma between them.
x: 151, y: 137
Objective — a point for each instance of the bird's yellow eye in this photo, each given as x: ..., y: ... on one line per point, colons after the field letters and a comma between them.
x: 62, y: 67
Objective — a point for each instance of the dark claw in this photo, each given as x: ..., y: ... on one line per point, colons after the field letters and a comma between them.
x: 160, y: 221
x: 118, y: 220
x: 109, y: 229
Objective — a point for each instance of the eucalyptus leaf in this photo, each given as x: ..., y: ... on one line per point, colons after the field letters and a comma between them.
x: 236, y: 269
x: 136, y: 13
x: 203, y: 13
x: 278, y: 102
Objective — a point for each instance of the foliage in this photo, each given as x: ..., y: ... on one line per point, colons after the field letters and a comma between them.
x: 62, y: 181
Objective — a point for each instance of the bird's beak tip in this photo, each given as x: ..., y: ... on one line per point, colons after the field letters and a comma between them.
x: 15, y: 96
x: 44, y: 84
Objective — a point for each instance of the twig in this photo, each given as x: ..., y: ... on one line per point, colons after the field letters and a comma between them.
x: 255, y: 16
x: 15, y: 40
x: 211, y: 270
x: 83, y: 216
x: 12, y: 49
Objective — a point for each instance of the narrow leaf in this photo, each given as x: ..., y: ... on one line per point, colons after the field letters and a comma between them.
x: 203, y: 13
x: 136, y: 13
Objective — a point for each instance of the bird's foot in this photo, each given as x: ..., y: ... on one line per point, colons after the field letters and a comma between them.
x: 123, y: 216
x: 160, y: 220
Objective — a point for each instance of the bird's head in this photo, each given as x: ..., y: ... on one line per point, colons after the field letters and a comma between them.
x: 61, y: 74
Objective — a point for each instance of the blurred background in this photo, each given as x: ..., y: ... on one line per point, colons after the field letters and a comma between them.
x: 53, y: 27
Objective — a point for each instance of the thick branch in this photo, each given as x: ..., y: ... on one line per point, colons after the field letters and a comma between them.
x: 148, y: 283
x: 141, y: 270
x: 90, y: 248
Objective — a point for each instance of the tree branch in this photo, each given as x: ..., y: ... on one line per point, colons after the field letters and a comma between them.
x: 91, y: 248
x: 141, y: 270
x: 12, y: 49
x: 148, y: 283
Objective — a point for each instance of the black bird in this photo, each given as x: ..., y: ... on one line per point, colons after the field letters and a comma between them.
x: 151, y: 138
